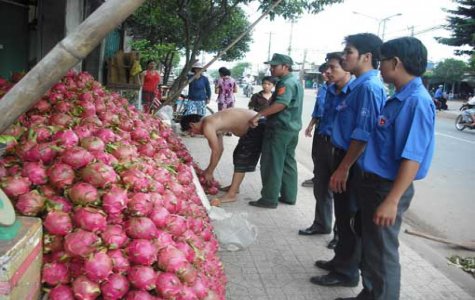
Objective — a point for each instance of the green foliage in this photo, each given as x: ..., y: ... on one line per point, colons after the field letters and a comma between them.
x: 238, y: 70
x: 155, y: 52
x: 449, y: 71
x: 462, y: 24
x: 210, y: 26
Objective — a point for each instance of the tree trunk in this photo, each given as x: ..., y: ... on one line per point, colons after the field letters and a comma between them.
x: 65, y: 55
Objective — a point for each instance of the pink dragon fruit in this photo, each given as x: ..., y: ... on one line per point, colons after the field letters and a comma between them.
x: 81, y: 243
x: 76, y: 157
x: 115, y: 287
x: 60, y: 175
x: 90, y: 219
x: 58, y: 223
x: 114, y: 237
x: 93, y: 143
x: 55, y: 273
x: 159, y: 216
x: 15, y: 186
x: 140, y: 204
x: 85, y: 289
x: 61, y: 292
x: 66, y: 138
x: 31, y: 203
x: 142, y: 277
x: 142, y: 252
x: 115, y: 200
x: 83, y: 193
x: 35, y: 171
x: 120, y: 263
x: 98, y: 267
x: 168, y: 285
x: 59, y: 203
x: 141, y: 228
x: 99, y: 175
x: 139, y: 295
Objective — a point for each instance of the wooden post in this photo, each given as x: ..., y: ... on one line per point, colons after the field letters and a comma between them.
x: 66, y: 54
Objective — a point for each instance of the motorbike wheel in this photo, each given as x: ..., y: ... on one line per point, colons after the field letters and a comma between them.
x: 459, y: 124
x: 463, y: 107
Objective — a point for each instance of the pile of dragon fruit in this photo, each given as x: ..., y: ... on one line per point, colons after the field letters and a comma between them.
x: 121, y: 216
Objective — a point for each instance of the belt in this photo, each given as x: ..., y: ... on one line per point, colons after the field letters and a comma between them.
x: 372, y: 176
x: 324, y: 137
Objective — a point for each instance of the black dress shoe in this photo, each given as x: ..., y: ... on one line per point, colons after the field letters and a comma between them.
x: 333, y: 280
x: 260, y: 203
x: 324, y: 264
x: 332, y: 243
x: 313, y: 230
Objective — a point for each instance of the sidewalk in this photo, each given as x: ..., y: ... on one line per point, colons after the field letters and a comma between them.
x: 280, y: 263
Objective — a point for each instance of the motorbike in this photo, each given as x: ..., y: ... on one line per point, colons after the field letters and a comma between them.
x: 470, y: 104
x: 465, y: 120
x: 248, y: 90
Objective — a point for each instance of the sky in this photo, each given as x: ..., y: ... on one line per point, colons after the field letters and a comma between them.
x: 324, y: 32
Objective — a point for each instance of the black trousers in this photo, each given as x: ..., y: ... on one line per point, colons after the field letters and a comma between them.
x: 322, y: 156
x: 348, y: 250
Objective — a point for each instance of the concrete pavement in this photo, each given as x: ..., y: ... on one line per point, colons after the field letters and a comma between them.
x: 280, y: 263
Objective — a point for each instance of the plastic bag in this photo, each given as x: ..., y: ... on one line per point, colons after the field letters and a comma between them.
x: 165, y: 113
x: 233, y: 230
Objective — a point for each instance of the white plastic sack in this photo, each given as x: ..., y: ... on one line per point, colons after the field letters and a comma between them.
x: 165, y: 113
x: 233, y: 230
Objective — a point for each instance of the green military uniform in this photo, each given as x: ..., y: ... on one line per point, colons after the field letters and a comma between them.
x: 278, y: 165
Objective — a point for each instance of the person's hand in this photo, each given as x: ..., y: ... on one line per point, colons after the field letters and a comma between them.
x: 208, y: 176
x: 338, y: 180
x: 308, y: 131
x: 385, y: 214
x: 207, y: 101
x: 254, y: 121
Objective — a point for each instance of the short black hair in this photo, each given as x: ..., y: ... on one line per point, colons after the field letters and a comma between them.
x: 186, y: 120
x: 411, y: 52
x: 335, y: 55
x: 323, y: 67
x: 223, y: 71
x: 366, y: 43
x: 150, y: 61
x: 271, y: 79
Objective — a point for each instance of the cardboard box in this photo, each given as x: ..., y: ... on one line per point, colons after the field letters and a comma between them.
x: 20, y: 262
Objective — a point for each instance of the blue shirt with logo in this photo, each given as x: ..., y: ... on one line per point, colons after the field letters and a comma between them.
x: 357, y: 114
x: 332, y: 100
x: 405, y: 130
x: 320, y: 101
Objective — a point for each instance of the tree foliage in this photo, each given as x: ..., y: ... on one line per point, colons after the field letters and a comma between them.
x: 462, y: 24
x: 449, y: 71
x: 238, y: 70
x: 194, y: 26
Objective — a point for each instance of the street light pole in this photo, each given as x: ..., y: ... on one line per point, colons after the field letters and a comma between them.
x: 384, y: 20
x: 380, y: 22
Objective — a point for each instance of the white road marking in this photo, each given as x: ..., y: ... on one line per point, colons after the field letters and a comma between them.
x: 455, y: 138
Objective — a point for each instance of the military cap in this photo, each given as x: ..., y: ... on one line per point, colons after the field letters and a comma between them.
x: 280, y: 59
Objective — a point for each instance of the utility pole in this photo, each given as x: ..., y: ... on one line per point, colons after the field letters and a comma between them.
x: 268, y: 48
x: 411, y: 29
x: 302, y: 70
x: 290, y: 38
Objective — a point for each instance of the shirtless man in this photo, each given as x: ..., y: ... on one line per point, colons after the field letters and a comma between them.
x: 245, y: 155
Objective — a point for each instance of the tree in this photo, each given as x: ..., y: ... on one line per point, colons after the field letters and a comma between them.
x: 462, y: 24
x: 196, y: 26
x: 449, y: 71
x: 166, y: 54
x: 238, y: 70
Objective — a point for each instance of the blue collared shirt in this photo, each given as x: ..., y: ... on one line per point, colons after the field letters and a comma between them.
x: 199, y: 89
x: 357, y: 114
x: 438, y: 93
x: 320, y: 101
x: 332, y: 100
x: 405, y: 130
